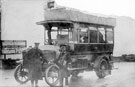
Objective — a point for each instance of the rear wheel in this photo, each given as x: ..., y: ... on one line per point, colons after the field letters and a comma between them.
x: 52, y: 75
x: 102, y: 68
x: 21, y: 74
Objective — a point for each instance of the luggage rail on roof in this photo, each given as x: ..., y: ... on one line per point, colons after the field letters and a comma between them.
x: 77, y: 16
x: 52, y: 21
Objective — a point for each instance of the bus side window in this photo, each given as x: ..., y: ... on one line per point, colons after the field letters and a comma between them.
x: 109, y: 34
x: 101, y: 35
x: 84, y: 35
x: 93, y: 35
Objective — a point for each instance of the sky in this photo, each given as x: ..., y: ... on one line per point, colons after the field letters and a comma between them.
x: 106, y: 7
x: 19, y: 18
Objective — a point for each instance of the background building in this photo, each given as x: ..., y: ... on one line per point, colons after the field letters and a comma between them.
x: 0, y: 30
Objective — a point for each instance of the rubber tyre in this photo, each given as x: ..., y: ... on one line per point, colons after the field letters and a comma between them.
x: 47, y: 72
x: 18, y: 71
x: 100, y: 70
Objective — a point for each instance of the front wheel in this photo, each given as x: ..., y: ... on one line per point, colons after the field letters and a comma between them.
x: 102, y: 68
x: 21, y: 74
x: 52, y: 75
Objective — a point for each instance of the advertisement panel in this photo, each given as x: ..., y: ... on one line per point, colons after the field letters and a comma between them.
x: 13, y: 46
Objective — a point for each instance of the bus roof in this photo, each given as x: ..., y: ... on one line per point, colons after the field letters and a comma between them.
x: 76, y: 16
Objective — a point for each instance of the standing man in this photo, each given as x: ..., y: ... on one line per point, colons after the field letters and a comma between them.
x: 35, y: 56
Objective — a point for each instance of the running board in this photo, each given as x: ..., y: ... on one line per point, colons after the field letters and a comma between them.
x: 71, y: 69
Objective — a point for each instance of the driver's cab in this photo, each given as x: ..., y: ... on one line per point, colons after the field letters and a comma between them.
x: 58, y: 32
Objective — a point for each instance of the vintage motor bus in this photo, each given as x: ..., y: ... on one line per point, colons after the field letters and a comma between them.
x: 81, y: 42
x: 86, y: 42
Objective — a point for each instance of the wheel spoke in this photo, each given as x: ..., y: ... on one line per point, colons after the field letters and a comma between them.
x: 18, y: 72
x: 25, y: 77
x: 22, y: 78
x: 103, y: 68
x: 52, y: 75
x: 21, y: 75
x: 50, y: 80
x: 53, y: 80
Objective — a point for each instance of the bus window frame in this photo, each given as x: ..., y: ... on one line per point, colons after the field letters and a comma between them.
x: 112, y: 28
x: 97, y: 30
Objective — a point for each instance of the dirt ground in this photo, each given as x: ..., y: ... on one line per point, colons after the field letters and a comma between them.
x: 123, y: 76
